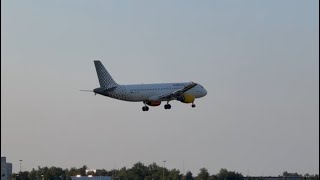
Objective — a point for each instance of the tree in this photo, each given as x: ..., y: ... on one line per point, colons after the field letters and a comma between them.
x: 33, y: 174
x: 102, y: 172
x: 203, y: 174
x: 122, y: 174
x: 288, y: 174
x: 82, y: 170
x: 174, y: 174
x: 224, y: 174
x: 155, y: 171
x: 213, y: 177
x: 22, y: 175
x: 140, y: 170
x: 189, y: 176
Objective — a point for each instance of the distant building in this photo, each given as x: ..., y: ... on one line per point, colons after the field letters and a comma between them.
x: 91, y: 170
x: 91, y: 177
x: 6, y: 169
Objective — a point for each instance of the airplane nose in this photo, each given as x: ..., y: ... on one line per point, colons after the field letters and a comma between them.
x: 205, y: 92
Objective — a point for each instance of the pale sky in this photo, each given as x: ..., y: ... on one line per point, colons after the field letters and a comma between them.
x: 258, y: 60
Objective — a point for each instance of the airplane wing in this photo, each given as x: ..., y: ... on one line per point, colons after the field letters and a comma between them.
x: 176, y: 93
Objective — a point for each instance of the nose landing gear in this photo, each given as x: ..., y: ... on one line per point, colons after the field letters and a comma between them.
x: 193, y: 105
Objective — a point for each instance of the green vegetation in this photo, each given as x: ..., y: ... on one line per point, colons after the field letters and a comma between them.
x: 138, y: 171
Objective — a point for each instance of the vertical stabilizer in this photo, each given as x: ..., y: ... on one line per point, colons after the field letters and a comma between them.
x: 104, y: 77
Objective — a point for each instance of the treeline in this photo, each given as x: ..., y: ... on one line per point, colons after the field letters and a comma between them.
x: 138, y: 172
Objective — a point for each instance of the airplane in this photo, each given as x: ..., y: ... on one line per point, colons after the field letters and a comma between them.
x: 149, y: 94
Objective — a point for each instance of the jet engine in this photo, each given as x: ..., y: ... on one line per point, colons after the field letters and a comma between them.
x: 153, y: 103
x: 186, y: 98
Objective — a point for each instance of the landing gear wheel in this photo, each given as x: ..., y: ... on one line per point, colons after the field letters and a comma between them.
x: 193, y: 105
x: 145, y: 108
x: 167, y: 106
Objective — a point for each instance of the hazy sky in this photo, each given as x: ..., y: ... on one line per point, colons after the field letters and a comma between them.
x: 258, y: 60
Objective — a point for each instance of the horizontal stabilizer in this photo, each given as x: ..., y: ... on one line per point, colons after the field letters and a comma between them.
x: 86, y: 90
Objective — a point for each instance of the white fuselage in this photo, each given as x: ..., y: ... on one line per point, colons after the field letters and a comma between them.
x: 149, y: 92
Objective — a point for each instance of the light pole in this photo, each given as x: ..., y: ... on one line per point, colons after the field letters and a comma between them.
x: 20, y: 164
x: 164, y: 165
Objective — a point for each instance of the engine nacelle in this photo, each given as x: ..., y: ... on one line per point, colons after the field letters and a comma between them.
x: 153, y: 103
x: 186, y: 98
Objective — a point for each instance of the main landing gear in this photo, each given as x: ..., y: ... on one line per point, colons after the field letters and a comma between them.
x: 145, y: 107
x: 167, y: 106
